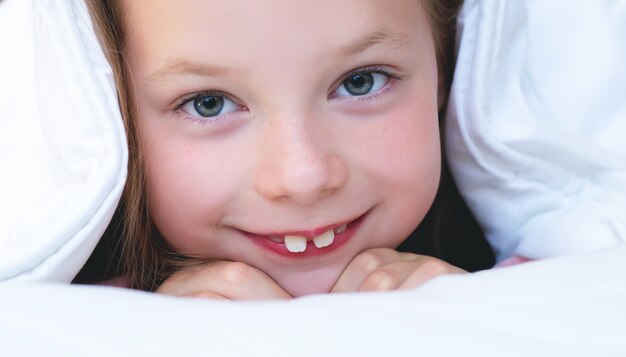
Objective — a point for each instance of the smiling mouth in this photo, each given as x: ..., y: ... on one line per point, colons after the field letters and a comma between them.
x: 308, y: 243
x: 298, y: 243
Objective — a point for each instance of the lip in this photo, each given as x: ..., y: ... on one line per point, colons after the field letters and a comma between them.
x: 264, y: 241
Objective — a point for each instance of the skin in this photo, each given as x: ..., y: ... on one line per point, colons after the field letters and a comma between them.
x: 294, y: 151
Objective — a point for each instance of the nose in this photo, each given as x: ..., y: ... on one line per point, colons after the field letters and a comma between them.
x: 298, y: 162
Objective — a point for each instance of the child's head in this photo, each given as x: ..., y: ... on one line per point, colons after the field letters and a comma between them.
x: 252, y: 122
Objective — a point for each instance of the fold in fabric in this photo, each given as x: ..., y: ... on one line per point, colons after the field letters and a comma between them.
x: 67, y: 155
x: 537, y: 121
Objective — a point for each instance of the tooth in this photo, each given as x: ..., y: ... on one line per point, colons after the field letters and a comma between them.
x: 295, y: 244
x: 325, y: 239
x: 276, y: 239
x: 341, y: 229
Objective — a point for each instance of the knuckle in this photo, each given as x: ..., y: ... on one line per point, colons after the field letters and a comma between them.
x: 236, y: 273
x: 165, y: 288
x: 368, y: 261
x: 173, y: 283
x: 435, y: 267
x: 381, y: 279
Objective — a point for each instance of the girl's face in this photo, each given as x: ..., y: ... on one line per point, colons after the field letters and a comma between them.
x: 266, y: 124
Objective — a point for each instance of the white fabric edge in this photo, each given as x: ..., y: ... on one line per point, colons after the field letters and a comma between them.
x: 69, y: 244
x: 584, y: 217
x: 570, y: 306
x: 468, y: 122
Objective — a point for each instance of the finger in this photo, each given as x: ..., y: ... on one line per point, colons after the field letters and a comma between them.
x: 206, y: 295
x: 232, y: 280
x: 361, y: 266
x: 429, y: 270
x: 390, y: 276
x: 239, y: 281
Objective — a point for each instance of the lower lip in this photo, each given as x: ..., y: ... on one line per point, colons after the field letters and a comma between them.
x: 311, y: 250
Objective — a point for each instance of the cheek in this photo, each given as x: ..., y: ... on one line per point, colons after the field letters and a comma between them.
x: 186, y: 187
x: 411, y: 149
x: 404, y: 147
x: 404, y: 160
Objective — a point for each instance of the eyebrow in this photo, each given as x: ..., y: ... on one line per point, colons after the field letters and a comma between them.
x: 176, y: 66
x: 382, y: 36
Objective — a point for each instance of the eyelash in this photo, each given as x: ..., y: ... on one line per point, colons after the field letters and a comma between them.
x: 364, y: 98
x: 376, y: 69
x: 199, y: 119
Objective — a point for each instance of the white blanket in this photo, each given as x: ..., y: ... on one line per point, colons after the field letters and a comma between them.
x: 560, y: 307
x: 537, y: 122
x: 62, y: 143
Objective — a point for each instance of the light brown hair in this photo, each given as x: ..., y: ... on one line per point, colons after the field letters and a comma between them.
x: 131, y: 246
x: 442, y: 16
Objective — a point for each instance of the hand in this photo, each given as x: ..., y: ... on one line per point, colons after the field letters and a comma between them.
x: 223, y: 280
x: 381, y: 269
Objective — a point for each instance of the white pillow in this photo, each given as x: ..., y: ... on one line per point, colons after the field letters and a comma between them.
x: 62, y: 143
x: 536, y: 133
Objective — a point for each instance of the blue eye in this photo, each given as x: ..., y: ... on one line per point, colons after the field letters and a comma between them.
x: 362, y: 83
x: 208, y: 105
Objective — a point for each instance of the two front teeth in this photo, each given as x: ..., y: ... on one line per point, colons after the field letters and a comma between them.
x: 297, y: 244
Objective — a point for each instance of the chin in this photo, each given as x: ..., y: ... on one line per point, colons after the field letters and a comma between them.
x: 309, y: 282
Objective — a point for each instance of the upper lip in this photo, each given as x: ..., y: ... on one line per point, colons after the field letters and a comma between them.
x: 308, y: 233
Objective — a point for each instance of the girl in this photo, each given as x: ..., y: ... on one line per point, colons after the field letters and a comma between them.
x: 278, y: 148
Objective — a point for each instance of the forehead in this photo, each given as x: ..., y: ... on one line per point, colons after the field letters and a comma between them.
x: 244, y: 29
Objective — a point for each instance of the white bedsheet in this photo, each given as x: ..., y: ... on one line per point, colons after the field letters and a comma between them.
x: 573, y: 306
